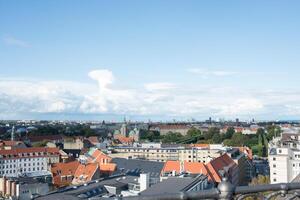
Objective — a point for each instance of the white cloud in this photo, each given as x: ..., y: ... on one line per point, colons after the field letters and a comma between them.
x: 9, y: 40
x: 207, y: 73
x: 158, y: 98
x: 243, y: 106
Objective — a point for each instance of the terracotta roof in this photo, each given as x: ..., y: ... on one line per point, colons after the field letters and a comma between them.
x: 85, y: 172
x: 103, y: 160
x: 218, y: 164
x: 63, y: 173
x: 108, y: 168
x: 247, y: 151
x: 100, y: 157
x: 123, y: 139
x: 10, y: 143
x: 189, y: 167
x: 171, y: 165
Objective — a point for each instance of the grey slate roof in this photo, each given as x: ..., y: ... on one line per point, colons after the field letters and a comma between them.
x: 93, y: 189
x: 135, y: 167
x: 172, y: 185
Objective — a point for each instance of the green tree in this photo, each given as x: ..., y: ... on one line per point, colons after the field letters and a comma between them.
x: 238, y: 139
x: 193, y: 132
x: 151, y: 136
x: 172, y: 137
x: 217, y: 138
x: 210, y: 133
x: 229, y: 133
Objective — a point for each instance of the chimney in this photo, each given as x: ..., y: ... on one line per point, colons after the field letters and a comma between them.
x: 8, y: 187
x: 4, y: 185
x: 174, y: 173
x: 18, y: 190
x: 182, y: 167
x: 13, y: 188
x: 144, y: 181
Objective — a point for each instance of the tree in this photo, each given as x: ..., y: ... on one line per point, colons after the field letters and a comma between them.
x: 210, y: 133
x: 150, y: 136
x: 193, y: 132
x: 172, y: 137
x: 229, y: 133
x: 227, y: 142
x: 238, y: 139
x: 273, y: 131
x: 217, y: 138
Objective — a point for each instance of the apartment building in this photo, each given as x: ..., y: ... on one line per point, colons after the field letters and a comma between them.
x: 167, y: 128
x: 16, y: 162
x: 284, y: 160
x: 162, y: 153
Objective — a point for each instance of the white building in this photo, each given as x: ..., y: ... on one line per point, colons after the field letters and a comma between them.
x: 17, y: 162
x: 284, y: 161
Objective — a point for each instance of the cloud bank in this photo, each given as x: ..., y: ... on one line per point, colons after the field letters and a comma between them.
x: 19, y: 96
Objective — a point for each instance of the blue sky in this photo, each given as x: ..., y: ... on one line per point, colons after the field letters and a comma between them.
x: 149, y: 59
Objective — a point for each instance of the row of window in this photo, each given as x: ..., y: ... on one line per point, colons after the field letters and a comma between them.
x: 20, y: 160
x: 143, y: 150
x: 20, y: 165
x: 12, y: 171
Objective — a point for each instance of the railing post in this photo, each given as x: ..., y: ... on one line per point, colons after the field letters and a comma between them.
x: 226, y: 189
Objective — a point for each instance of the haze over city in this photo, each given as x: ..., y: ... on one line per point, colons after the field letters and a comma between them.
x: 159, y: 60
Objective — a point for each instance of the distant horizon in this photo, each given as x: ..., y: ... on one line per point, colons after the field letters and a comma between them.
x: 159, y: 60
x: 97, y: 118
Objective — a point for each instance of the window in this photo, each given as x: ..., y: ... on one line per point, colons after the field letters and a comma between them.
x: 274, y: 166
x: 274, y: 158
x: 279, y: 151
x: 274, y: 180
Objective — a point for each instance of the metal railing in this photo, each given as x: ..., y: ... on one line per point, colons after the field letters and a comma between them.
x: 227, y: 191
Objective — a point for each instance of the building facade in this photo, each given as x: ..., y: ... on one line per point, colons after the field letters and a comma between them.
x: 284, y: 161
x: 17, y: 162
x: 160, y: 153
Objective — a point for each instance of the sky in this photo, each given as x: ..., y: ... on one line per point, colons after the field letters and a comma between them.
x: 158, y: 60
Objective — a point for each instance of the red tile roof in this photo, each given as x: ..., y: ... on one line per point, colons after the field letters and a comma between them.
x: 123, y: 139
x: 85, y: 173
x: 189, y: 167
x: 10, y: 143
x: 17, y: 151
x: 247, y: 151
x: 63, y: 173
x: 219, y: 163
x: 211, y: 170
x: 171, y: 165
x: 104, y: 161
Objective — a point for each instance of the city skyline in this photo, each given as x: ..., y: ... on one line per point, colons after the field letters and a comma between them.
x: 159, y: 60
